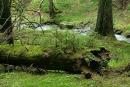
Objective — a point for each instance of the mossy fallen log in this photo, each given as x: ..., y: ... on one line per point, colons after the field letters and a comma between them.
x: 46, y: 59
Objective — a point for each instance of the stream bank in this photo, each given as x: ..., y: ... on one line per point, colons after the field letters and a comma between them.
x: 82, y: 29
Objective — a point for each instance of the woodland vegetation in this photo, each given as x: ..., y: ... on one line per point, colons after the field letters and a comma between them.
x: 64, y: 43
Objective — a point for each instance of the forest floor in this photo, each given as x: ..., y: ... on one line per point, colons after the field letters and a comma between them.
x: 79, y: 12
x: 119, y: 54
x: 33, y: 43
x: 22, y: 79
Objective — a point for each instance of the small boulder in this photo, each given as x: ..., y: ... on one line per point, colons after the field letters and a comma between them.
x: 128, y: 35
x: 67, y: 25
x: 119, y: 32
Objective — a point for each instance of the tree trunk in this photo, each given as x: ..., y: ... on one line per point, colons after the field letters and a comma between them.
x: 51, y: 9
x: 104, y: 24
x: 49, y: 63
x: 5, y: 20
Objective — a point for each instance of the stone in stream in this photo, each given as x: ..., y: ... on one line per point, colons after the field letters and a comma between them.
x: 66, y: 25
x: 119, y: 32
x: 128, y: 35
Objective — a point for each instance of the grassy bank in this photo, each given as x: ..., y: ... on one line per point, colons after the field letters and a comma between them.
x: 22, y: 79
x: 31, y: 44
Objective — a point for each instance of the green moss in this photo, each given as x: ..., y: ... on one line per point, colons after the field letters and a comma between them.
x: 28, y: 51
x: 61, y: 41
x: 127, y: 29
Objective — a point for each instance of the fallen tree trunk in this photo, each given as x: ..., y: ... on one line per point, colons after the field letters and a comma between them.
x: 65, y: 64
x: 50, y: 60
x: 49, y: 63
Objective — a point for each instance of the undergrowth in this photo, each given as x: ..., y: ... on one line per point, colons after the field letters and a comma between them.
x: 32, y: 43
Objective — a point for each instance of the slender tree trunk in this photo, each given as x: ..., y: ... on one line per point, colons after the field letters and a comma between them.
x: 104, y: 24
x: 51, y: 9
x: 5, y: 20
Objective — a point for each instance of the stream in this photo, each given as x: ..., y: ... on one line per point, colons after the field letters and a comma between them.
x: 83, y: 31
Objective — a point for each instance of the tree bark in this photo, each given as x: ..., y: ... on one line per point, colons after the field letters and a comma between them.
x: 5, y: 20
x: 104, y: 24
x: 51, y: 9
x: 49, y: 63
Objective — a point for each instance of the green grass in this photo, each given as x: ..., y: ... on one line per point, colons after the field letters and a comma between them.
x: 22, y: 79
x: 76, y: 12
x: 72, y: 11
x: 35, y: 42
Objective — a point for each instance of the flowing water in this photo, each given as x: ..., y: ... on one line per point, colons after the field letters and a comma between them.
x: 122, y: 38
x: 82, y: 31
